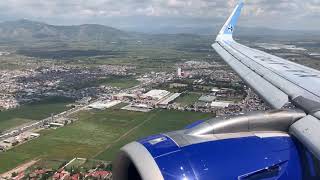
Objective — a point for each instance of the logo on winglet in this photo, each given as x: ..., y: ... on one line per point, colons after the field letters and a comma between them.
x: 230, y: 28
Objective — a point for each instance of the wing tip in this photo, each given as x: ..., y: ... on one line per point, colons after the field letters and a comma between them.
x: 228, y: 28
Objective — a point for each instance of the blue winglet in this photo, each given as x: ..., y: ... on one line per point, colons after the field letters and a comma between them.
x: 229, y: 27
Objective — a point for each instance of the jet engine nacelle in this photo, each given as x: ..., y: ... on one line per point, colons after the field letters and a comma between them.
x: 251, y: 146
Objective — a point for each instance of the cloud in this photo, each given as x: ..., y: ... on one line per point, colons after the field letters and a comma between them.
x: 272, y: 13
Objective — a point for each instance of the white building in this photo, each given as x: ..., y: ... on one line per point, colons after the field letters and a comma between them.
x: 179, y: 72
x: 220, y: 104
x: 104, y: 104
x: 156, y: 94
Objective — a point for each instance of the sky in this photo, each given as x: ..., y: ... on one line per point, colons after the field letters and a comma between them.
x: 277, y: 14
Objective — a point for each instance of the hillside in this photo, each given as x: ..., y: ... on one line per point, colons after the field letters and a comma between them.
x: 30, y: 31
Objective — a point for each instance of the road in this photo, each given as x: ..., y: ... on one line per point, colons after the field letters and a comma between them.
x: 31, y: 127
x: 37, y: 125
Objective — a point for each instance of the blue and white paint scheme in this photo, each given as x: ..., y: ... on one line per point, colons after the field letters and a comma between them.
x: 229, y: 27
x: 281, y: 144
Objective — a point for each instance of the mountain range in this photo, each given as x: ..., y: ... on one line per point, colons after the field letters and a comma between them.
x: 27, y: 31
x: 30, y: 31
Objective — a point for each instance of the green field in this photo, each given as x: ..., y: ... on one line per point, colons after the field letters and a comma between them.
x: 32, y: 112
x: 96, y: 135
x: 188, y: 99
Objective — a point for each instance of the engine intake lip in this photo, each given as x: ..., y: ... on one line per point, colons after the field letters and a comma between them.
x: 135, y: 156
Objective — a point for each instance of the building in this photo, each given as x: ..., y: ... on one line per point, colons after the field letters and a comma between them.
x: 138, y: 108
x: 156, y: 94
x: 179, y: 72
x: 178, y: 85
x: 100, y: 174
x: 55, y: 125
x: 169, y: 99
x: 101, y: 105
x: 215, y: 90
x: 60, y: 174
x: 34, y: 135
x: 221, y: 104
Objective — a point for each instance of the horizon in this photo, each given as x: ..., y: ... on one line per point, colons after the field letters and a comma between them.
x: 159, y: 30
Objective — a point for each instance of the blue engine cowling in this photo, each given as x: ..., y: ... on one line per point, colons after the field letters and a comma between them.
x: 239, y: 158
x: 248, y: 147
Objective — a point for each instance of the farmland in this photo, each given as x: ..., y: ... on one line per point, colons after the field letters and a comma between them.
x: 188, y: 99
x: 97, y: 134
x: 32, y: 112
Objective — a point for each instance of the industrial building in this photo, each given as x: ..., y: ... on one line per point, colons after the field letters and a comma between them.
x: 156, y: 94
x: 101, y: 105
x: 138, y: 108
x: 169, y: 99
x: 221, y: 104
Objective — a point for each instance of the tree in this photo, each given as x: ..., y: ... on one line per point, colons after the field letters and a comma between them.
x: 109, y: 167
x: 14, y: 174
x: 45, y: 176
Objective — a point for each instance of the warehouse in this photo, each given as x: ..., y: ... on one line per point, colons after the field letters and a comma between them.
x: 101, y: 105
x: 221, y: 104
x: 156, y: 94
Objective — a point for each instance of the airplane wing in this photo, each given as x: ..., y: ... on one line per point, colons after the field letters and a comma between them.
x: 276, y: 80
x: 256, y: 145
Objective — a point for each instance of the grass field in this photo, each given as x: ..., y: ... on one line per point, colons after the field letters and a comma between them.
x: 188, y: 99
x: 32, y: 112
x: 96, y: 135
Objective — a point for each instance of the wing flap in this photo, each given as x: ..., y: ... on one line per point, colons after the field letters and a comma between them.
x: 292, y: 78
x: 276, y: 71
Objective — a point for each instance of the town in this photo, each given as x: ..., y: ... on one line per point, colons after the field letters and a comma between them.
x: 194, y: 86
x: 172, y: 89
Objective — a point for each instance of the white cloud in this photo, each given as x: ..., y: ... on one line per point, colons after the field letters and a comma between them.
x: 256, y: 12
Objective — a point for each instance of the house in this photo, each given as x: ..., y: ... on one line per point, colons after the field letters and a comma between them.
x: 20, y: 176
x: 61, y: 174
x: 74, y: 177
x: 100, y: 174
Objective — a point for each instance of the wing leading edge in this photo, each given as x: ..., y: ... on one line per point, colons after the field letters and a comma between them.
x: 276, y: 80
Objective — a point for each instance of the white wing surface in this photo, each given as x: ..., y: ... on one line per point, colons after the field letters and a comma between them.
x: 276, y: 80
